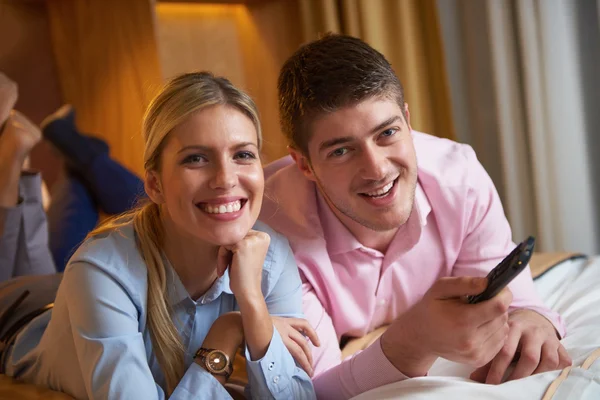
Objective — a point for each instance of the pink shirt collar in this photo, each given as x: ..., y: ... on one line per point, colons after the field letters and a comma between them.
x: 340, y: 240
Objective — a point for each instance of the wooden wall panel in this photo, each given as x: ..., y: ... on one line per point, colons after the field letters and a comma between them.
x: 26, y: 57
x: 108, y: 66
x: 246, y: 43
x: 272, y: 34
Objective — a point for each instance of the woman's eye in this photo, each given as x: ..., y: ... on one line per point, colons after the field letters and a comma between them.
x: 193, y: 159
x: 338, y: 152
x: 245, y: 155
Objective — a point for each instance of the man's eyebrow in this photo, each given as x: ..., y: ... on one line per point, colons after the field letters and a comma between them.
x: 385, y: 123
x: 335, y: 142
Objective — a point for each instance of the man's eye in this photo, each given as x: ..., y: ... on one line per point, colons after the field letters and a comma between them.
x: 339, y: 152
x: 389, y: 132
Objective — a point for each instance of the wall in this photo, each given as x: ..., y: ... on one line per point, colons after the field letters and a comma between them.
x: 26, y: 57
x: 245, y: 43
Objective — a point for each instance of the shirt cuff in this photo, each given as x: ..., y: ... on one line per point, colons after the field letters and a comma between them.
x: 275, y: 369
x: 30, y: 188
x: 369, y: 369
x: 198, y: 382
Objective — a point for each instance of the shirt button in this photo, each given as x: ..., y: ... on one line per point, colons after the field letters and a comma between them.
x: 271, y: 365
x: 276, y: 379
x: 382, y: 302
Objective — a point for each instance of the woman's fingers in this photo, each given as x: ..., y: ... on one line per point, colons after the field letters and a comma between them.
x: 305, y: 328
x: 303, y: 343
x: 223, y: 260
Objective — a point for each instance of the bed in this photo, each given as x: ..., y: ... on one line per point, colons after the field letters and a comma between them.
x: 569, y: 283
x: 573, y: 289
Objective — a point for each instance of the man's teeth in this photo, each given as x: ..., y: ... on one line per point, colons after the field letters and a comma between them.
x: 381, y: 191
x: 222, y: 208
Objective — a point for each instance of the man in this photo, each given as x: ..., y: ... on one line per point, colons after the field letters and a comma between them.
x: 23, y: 228
x: 383, y: 239
x: 93, y: 180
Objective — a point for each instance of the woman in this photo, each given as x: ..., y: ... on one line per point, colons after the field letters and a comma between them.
x: 155, y: 303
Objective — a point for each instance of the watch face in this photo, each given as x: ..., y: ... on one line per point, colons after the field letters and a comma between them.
x: 217, y: 361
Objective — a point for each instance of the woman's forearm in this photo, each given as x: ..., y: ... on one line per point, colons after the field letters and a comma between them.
x: 258, y: 326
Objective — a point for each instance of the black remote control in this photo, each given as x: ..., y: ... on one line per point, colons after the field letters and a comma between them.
x: 506, y: 271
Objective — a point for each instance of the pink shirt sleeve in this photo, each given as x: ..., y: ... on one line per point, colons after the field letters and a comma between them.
x: 337, y: 379
x: 488, y: 239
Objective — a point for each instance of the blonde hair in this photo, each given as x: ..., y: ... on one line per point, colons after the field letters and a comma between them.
x: 177, y: 100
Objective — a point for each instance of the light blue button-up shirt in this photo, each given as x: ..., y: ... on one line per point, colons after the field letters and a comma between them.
x: 95, y: 343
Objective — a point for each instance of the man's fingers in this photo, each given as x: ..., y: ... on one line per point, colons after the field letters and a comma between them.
x: 564, y: 359
x: 549, y: 358
x: 490, y: 328
x: 529, y: 359
x: 503, y: 358
x: 494, y: 307
x: 456, y: 287
x: 481, y: 373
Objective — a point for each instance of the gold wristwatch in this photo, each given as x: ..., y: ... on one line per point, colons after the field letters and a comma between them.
x: 215, y: 361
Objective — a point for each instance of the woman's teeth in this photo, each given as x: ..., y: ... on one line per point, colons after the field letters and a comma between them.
x: 222, y: 208
x: 384, y: 190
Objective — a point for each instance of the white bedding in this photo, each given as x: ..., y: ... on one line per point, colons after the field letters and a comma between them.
x: 572, y: 289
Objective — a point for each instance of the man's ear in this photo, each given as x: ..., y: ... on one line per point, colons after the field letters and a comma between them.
x: 302, y: 163
x: 407, y: 112
x: 153, y: 187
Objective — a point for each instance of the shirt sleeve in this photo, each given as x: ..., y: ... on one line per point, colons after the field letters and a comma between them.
x: 110, y: 348
x: 488, y: 239
x: 10, y: 226
x: 337, y: 379
x: 24, y: 233
x: 276, y: 374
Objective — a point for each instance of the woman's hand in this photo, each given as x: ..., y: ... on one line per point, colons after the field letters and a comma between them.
x: 295, y: 333
x: 245, y: 260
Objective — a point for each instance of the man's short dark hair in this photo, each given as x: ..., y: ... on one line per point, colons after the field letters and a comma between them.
x: 327, y: 74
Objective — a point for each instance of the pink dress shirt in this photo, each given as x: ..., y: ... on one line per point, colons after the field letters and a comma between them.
x: 457, y: 228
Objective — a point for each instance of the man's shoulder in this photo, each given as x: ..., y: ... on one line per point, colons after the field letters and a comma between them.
x: 290, y: 201
x: 443, y: 162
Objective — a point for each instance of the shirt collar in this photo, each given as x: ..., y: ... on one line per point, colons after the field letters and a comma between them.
x: 340, y: 240
x: 178, y: 293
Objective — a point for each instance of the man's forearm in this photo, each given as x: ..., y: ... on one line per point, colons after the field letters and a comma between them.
x: 404, y: 353
x: 364, y: 371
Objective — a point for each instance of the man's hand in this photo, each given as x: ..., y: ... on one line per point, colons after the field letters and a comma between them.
x: 19, y: 136
x: 533, y: 343
x: 442, y: 324
x: 9, y: 92
x: 292, y: 331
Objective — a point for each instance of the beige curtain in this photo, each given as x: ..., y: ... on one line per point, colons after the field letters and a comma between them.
x: 407, y: 32
x: 108, y: 68
x: 526, y: 92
